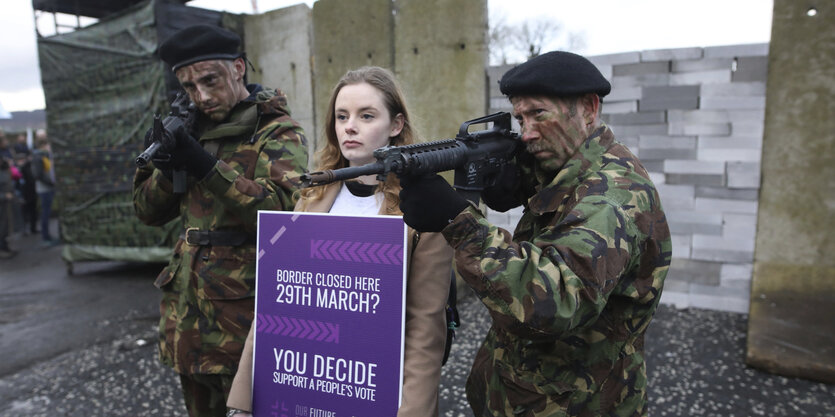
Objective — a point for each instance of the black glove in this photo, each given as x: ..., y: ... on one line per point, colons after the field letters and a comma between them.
x: 429, y: 203
x: 505, y: 193
x: 192, y: 156
x: 162, y: 159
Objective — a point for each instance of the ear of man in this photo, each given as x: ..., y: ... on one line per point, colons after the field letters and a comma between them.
x: 590, y: 103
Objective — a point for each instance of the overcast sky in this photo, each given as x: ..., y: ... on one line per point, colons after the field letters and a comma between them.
x: 607, y: 26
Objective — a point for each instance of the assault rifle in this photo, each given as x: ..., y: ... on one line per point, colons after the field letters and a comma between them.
x: 164, y: 137
x: 477, y: 157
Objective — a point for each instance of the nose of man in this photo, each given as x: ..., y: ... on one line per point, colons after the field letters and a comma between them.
x: 529, y: 135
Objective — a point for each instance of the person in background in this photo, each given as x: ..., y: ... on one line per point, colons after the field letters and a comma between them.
x: 26, y: 188
x: 7, y: 199
x: 243, y: 153
x: 572, y: 291
x: 20, y: 146
x: 367, y: 110
x: 5, y: 150
x: 44, y: 172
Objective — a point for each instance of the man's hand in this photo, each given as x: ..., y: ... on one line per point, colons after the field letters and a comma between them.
x: 194, y: 158
x: 429, y: 203
x: 505, y: 193
x: 162, y: 159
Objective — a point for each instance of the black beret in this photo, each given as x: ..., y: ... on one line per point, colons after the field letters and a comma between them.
x: 555, y: 73
x: 199, y: 43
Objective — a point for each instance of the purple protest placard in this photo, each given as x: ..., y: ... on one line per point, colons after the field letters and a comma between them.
x: 329, y: 313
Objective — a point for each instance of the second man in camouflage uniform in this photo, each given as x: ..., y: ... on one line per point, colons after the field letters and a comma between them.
x: 572, y: 291
x: 243, y: 154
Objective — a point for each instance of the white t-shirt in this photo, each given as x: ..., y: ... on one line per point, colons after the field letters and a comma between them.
x: 349, y: 203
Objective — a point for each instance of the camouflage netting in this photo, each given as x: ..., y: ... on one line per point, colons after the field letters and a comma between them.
x: 102, y: 85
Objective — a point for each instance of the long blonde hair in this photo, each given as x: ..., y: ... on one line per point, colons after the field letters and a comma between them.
x: 330, y: 156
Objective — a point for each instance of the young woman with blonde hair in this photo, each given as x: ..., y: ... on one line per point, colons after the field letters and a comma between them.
x: 367, y: 110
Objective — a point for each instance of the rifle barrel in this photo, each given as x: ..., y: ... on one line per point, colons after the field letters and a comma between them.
x: 313, y: 179
x: 143, y: 158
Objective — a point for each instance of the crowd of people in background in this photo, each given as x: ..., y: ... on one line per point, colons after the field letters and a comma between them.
x: 27, y: 181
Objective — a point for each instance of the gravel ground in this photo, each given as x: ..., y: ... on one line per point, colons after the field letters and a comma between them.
x: 695, y: 362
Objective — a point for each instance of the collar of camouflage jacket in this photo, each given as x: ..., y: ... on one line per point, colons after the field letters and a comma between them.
x: 241, y: 121
x: 587, y: 159
x: 244, y: 117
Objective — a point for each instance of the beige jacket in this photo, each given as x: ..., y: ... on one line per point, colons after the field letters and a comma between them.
x: 427, y: 288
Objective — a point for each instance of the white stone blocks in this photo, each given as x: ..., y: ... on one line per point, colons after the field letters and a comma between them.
x: 728, y: 155
x: 671, y: 54
x: 630, y: 142
x: 723, y: 248
x: 748, y: 129
x: 688, y: 270
x: 719, y: 298
x: 619, y: 107
x: 736, y: 275
x: 685, y: 128
x: 702, y: 65
x: 641, y: 68
x: 681, y: 245
x: 711, y: 180
x: 751, y: 69
x: 605, y: 71
x: 729, y: 193
x: 656, y: 176
x: 698, y: 116
x: 730, y: 142
x: 624, y: 93
x: 724, y: 205
x: 614, y: 59
x: 733, y: 51
x: 667, y: 141
x: 677, y: 197
x: 739, y: 225
x: 634, y: 130
x: 675, y: 166
x: 744, y: 174
x: 662, y: 147
x: 732, y: 103
x: 669, y: 97
x: 701, y: 77
x: 656, y: 79
x: 689, y: 222
x: 734, y: 89
x: 641, y: 118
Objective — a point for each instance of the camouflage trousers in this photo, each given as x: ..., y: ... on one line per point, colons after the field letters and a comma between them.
x: 205, y: 394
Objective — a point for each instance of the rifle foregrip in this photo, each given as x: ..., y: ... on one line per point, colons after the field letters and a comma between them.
x: 443, y: 156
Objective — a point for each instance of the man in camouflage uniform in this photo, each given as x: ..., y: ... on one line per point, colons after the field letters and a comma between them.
x: 573, y: 290
x: 248, y: 157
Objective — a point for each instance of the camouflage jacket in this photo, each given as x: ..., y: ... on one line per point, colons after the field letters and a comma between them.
x: 571, y: 293
x: 208, y: 291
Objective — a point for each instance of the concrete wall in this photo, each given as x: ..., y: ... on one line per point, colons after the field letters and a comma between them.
x: 348, y: 34
x: 440, y: 57
x: 278, y: 44
x: 791, y: 328
x: 436, y: 48
x: 694, y: 116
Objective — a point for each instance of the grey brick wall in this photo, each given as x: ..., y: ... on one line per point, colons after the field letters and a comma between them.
x: 694, y: 116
